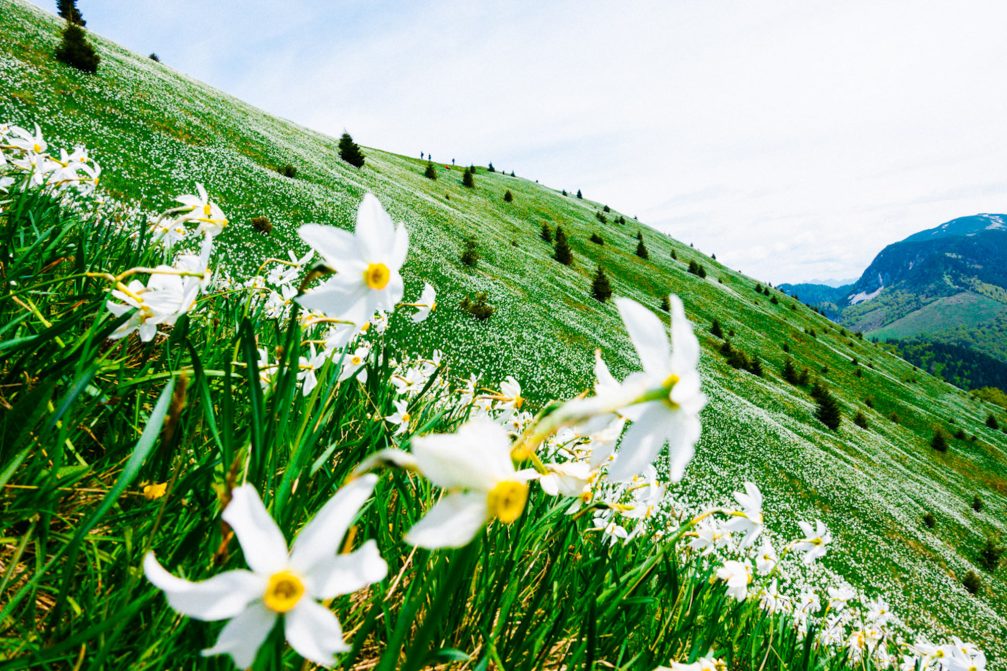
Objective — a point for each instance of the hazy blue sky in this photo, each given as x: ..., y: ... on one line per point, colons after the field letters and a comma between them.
x: 793, y: 139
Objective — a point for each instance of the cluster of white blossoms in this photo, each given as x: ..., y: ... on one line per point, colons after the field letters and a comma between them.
x: 171, y: 290
x: 25, y: 159
x: 603, y: 453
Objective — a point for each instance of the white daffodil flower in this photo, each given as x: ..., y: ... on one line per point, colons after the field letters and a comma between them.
x: 671, y: 377
x: 748, y: 520
x: 738, y: 576
x: 353, y: 363
x: 307, y: 369
x: 767, y: 558
x: 771, y: 600
x: 815, y: 541
x: 839, y: 597
x: 571, y: 478
x: 474, y: 468
x: 26, y: 141
x: 366, y: 263
x: 200, y: 209
x: 279, y: 583
x: 426, y: 303
x: 401, y: 417
x: 165, y: 298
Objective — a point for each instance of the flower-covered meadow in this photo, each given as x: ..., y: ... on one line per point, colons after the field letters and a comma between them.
x: 116, y: 446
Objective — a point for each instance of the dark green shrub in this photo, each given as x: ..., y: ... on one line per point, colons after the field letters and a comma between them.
x: 508, y: 196
x: 262, y: 224
x: 287, y: 171
x: 546, y: 233
x: 430, y: 172
x: 939, y: 442
x: 789, y: 371
x: 991, y: 422
x: 597, y: 239
x: 977, y: 504
x: 641, y: 250
x: 991, y: 553
x: 478, y: 306
x: 972, y: 582
x: 468, y: 180
x: 860, y: 419
x: 929, y: 521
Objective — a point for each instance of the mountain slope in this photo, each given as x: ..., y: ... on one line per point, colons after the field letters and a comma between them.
x: 947, y: 285
x: 158, y: 133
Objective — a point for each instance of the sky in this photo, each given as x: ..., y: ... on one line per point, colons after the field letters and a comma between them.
x: 793, y: 139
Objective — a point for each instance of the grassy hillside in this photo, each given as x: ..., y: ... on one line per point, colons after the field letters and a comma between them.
x: 157, y: 133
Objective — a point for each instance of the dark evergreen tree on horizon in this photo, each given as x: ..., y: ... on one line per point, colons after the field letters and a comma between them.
x: 350, y: 152
x: 563, y: 253
x: 579, y: 194
x: 67, y: 9
x: 76, y: 51
x: 601, y: 289
x: 641, y: 250
x: 491, y: 168
x: 467, y: 179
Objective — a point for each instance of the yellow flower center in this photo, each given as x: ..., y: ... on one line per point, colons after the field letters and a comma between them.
x: 377, y: 276
x: 206, y: 210
x: 37, y: 147
x: 507, y: 499
x: 283, y: 591
x: 405, y: 418
x: 154, y: 490
x: 669, y: 384
x: 356, y: 361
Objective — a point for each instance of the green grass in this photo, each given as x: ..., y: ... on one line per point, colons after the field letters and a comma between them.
x: 158, y: 133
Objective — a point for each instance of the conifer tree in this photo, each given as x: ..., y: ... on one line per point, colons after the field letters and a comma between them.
x: 716, y: 329
x: 861, y: 419
x: 491, y: 168
x: 467, y: 179
x: 430, y: 172
x: 827, y: 411
x: 641, y: 250
x: 607, y: 208
x: 789, y: 371
x: 579, y: 194
x: 67, y: 9
x: 470, y: 255
x: 76, y: 51
x: 546, y: 233
x: 939, y: 442
x: 350, y: 152
x: 597, y: 239
x: 991, y: 422
x: 563, y: 253
x: 508, y: 196
x: 564, y: 192
x: 601, y: 289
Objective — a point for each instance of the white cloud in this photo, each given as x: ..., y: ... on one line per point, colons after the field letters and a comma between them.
x: 794, y: 139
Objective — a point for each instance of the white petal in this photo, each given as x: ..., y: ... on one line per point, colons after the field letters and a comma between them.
x: 338, y: 298
x: 476, y: 457
x: 334, y: 245
x: 375, y: 231
x: 218, y: 598
x: 647, y: 333
x: 640, y: 444
x: 683, y: 434
x: 684, y: 346
x: 451, y: 523
x: 400, y: 248
x: 262, y: 542
x: 345, y: 574
x: 314, y: 632
x: 241, y: 637
x: 320, y: 539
